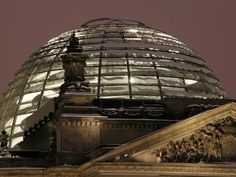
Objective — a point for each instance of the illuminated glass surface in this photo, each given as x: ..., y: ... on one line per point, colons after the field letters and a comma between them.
x: 126, y: 60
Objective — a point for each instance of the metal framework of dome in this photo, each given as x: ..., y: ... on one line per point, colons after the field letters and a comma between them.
x: 127, y: 60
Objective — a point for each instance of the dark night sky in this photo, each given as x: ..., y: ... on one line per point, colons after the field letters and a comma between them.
x: 207, y: 26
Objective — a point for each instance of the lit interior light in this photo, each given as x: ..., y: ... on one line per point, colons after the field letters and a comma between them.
x: 50, y: 93
x: 17, y: 129
x: 165, y: 35
x: 24, y: 106
x: 133, y: 39
x: 22, y: 117
x: 80, y: 34
x: 132, y: 30
x: 174, y: 51
x: 38, y: 76
x: 15, y: 141
x: 17, y: 101
x: 9, y: 123
x: 131, y: 80
x: 30, y: 96
x: 55, y: 85
x: 190, y: 82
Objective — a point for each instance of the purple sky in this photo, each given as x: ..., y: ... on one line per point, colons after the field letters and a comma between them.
x: 207, y: 26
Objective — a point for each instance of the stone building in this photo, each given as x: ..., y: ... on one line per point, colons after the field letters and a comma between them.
x: 116, y: 98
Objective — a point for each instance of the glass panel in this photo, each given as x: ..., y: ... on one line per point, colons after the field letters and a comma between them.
x: 136, y: 70
x: 93, y: 55
x: 25, y: 106
x: 114, y: 70
x: 133, y: 39
x: 11, y: 106
x: 8, y: 130
x: 54, y: 84
x: 114, y: 80
x: 141, y: 62
x: 214, y: 89
x: 58, y: 74
x: 197, y: 94
x: 90, y: 71
x: 114, y: 53
x: 22, y: 117
x: 50, y: 94
x: 190, y: 82
x: 117, y: 96
x: 53, y: 51
x: 143, y: 80
x: 18, y: 82
x: 164, y: 63
x: 57, y: 66
x: 41, y: 67
x: 92, y: 62
x: 15, y: 141
x: 114, y: 61
x: 29, y: 107
x: 193, y: 84
x: 173, y: 91
x: 209, y: 79
x: 17, y: 91
x: 48, y: 58
x: 9, y: 123
x: 92, y: 79
x: 187, y: 66
x: 33, y: 87
x: 220, y: 91
x: 169, y: 72
x: 38, y: 77
x: 23, y: 73
x: 146, y: 97
x: 145, y: 90
x: 191, y: 75
x: 171, y: 81
x: 114, y: 90
x: 17, y: 129
x: 31, y: 97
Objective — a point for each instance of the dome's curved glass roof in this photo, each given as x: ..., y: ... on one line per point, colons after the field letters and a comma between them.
x: 126, y: 60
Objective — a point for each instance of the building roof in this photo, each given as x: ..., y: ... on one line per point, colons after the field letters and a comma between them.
x: 126, y: 60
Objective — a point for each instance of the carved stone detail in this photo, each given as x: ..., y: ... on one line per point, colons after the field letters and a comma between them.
x: 194, y: 109
x: 155, y: 112
x: 74, y: 45
x: 203, y: 145
x: 4, y: 138
x: 74, y: 66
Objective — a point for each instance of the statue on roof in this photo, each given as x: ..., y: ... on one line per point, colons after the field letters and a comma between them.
x: 74, y: 45
x: 4, y: 138
x: 74, y: 65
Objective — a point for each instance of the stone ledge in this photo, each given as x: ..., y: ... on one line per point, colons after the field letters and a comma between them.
x: 127, y: 169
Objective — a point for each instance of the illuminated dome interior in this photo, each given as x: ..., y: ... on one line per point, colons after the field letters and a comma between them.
x: 127, y: 60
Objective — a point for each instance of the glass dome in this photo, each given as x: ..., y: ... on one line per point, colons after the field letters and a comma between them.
x: 127, y: 60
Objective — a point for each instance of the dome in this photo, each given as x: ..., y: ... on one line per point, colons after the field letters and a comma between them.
x: 127, y: 60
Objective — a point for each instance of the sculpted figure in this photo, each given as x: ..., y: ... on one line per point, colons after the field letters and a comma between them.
x: 74, y: 45
x: 203, y: 145
x: 74, y: 65
x: 171, y: 151
x: 74, y: 68
x: 4, y: 140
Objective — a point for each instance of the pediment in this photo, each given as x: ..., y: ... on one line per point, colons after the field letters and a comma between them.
x: 208, y: 137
